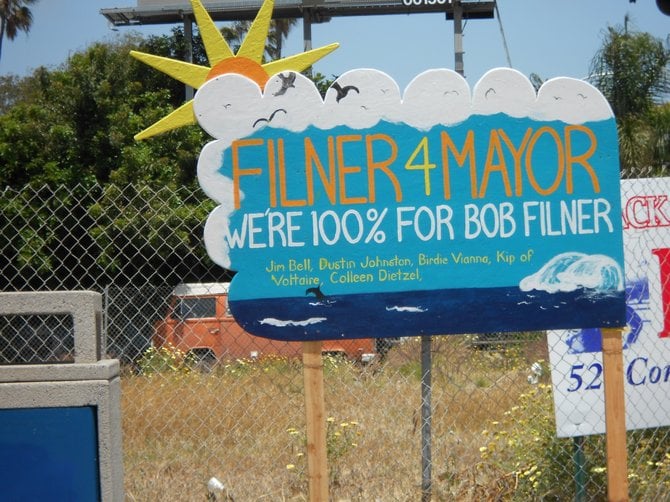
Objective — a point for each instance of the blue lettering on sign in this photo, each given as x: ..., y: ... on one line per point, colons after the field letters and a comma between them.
x: 592, y: 378
x: 639, y: 371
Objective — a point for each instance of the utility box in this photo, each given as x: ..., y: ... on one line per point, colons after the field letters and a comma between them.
x: 60, y: 423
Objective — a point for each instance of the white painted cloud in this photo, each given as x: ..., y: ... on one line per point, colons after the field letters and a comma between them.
x: 570, y: 100
x: 291, y: 101
x: 227, y: 106
x: 436, y: 97
x: 360, y: 99
x: 503, y: 90
x: 216, y: 187
x: 231, y: 106
x: 218, y: 250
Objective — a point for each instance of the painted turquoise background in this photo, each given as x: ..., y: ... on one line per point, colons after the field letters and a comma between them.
x: 255, y: 281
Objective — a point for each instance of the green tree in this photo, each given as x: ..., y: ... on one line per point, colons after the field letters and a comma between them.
x: 15, y: 16
x: 76, y: 184
x: 76, y: 124
x: 323, y: 83
x: 12, y: 89
x: 632, y: 70
x: 74, y: 178
x: 234, y: 34
x: 278, y: 32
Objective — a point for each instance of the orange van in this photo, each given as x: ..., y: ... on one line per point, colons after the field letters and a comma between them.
x: 199, y: 322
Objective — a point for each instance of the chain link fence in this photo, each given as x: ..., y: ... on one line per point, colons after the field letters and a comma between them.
x: 200, y: 400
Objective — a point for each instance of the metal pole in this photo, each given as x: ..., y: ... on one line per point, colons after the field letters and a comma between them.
x: 426, y: 417
x: 579, y: 461
x: 458, y: 38
x: 188, y: 35
x: 307, y: 34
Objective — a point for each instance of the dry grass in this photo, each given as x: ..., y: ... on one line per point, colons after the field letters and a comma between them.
x: 236, y: 424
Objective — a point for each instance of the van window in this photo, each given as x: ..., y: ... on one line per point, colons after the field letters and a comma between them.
x: 192, y: 308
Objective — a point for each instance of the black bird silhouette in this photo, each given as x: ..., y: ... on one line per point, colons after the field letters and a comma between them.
x: 271, y: 116
x: 316, y: 292
x: 286, y: 82
x: 343, y: 91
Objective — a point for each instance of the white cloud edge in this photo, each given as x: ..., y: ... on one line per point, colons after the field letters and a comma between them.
x: 231, y: 106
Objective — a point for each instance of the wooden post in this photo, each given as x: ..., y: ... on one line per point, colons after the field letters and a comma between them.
x: 615, y: 416
x: 315, y: 409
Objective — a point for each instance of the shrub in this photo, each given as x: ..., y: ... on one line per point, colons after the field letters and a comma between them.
x: 529, y: 462
x: 166, y: 359
x: 341, y: 439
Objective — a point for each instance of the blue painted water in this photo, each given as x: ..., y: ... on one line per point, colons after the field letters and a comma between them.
x: 447, y: 311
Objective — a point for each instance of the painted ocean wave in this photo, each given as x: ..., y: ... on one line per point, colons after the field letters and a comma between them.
x: 271, y: 321
x: 572, y: 271
x: 399, y: 308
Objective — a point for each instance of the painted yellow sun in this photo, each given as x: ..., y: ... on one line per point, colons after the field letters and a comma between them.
x: 247, y: 62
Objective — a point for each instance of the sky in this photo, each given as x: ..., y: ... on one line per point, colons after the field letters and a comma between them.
x: 548, y: 37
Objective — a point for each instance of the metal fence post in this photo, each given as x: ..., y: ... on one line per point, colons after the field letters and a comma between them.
x: 426, y: 416
x: 579, y: 462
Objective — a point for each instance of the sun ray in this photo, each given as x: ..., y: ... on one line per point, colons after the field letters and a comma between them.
x: 180, y: 117
x: 246, y: 62
x: 253, y: 45
x: 188, y: 73
x: 215, y: 45
x: 299, y: 62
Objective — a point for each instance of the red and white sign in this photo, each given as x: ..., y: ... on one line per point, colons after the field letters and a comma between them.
x: 575, y: 355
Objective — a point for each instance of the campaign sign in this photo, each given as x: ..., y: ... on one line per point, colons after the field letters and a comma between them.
x: 444, y: 210
x: 576, y: 355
